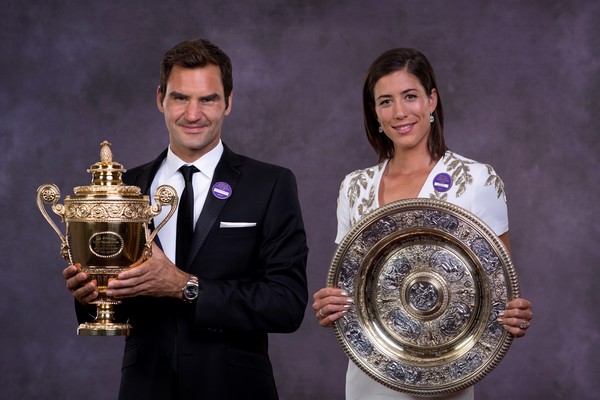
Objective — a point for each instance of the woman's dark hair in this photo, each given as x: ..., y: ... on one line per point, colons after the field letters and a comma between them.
x: 196, y: 54
x: 417, y: 64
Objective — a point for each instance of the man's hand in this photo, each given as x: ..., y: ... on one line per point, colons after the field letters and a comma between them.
x: 77, y: 284
x: 156, y: 277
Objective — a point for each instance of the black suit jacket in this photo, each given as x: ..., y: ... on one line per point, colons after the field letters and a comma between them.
x: 252, y: 280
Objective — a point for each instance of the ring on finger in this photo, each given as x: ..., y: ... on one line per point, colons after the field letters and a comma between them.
x: 523, y: 324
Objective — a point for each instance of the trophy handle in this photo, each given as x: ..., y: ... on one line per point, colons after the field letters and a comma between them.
x: 50, y: 194
x: 165, y: 195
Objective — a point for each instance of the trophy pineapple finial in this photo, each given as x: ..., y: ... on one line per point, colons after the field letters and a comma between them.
x: 105, y: 153
x: 106, y: 172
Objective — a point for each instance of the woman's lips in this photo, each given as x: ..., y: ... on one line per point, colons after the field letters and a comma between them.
x: 404, y: 128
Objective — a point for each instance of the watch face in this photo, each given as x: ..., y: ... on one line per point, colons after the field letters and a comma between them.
x: 190, y: 292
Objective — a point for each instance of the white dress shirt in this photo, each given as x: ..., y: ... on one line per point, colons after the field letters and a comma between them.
x: 168, y: 174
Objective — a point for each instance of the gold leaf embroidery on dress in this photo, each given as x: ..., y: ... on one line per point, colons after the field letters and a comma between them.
x: 367, y: 203
x: 494, y: 179
x: 460, y: 172
x: 438, y: 195
x: 357, y: 191
x: 461, y: 176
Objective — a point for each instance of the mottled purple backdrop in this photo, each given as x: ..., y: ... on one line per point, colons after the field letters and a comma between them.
x: 520, y: 83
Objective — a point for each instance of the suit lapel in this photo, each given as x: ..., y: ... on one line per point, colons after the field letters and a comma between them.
x: 143, y: 179
x: 146, y: 175
x: 227, y: 171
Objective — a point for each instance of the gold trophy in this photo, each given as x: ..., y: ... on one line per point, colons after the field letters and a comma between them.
x: 106, y: 232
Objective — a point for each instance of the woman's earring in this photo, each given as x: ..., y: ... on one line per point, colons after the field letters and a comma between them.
x: 431, y: 118
x: 380, y: 129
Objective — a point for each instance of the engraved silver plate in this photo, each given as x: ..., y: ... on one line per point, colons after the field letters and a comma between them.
x: 428, y: 280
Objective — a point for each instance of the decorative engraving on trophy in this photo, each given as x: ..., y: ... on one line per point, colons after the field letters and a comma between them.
x: 103, y: 211
x: 49, y: 194
x: 357, y: 338
x: 379, y: 230
x: 106, y: 244
x: 347, y: 274
x: 401, y: 372
x: 165, y: 195
x: 489, y: 259
x: 423, y: 296
x: 445, y: 263
x: 396, y: 270
x: 465, y: 365
x: 455, y: 320
x: 403, y: 325
x: 440, y: 220
x: 409, y: 219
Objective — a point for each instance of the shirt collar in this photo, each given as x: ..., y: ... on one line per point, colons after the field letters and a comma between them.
x: 206, y: 164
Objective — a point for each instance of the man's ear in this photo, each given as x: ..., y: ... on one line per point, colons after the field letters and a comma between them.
x: 228, y: 110
x: 159, y: 100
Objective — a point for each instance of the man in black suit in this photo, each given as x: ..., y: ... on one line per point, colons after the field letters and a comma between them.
x: 201, y: 317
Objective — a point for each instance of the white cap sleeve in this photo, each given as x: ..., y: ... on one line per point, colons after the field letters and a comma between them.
x: 343, y: 211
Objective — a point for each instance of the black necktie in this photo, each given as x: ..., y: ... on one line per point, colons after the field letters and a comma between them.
x: 185, y: 217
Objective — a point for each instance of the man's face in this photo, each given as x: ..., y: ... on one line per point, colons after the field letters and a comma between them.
x: 194, y: 109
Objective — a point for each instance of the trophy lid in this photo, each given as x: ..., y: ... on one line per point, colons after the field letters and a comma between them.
x: 106, y: 176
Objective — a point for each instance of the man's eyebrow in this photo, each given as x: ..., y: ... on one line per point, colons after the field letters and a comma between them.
x: 178, y: 95
x: 210, y: 97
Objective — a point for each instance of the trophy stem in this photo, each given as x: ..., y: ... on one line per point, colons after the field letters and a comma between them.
x: 104, y: 324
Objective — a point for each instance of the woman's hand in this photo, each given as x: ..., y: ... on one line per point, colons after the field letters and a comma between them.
x: 330, y: 304
x: 516, y: 317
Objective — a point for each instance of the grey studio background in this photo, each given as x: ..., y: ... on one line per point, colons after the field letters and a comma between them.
x: 519, y: 81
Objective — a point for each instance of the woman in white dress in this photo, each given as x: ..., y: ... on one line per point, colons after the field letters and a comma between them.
x: 404, y: 122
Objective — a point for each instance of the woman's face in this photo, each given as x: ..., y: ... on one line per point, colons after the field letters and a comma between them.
x: 403, y: 107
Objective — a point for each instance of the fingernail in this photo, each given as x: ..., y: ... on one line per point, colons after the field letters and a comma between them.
x: 501, y: 314
x: 350, y: 300
x: 344, y: 293
x: 347, y: 306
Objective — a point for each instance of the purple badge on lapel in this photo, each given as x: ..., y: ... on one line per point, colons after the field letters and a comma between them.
x: 442, y: 182
x: 221, y: 190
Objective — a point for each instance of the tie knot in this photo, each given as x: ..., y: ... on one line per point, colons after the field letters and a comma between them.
x: 187, y: 171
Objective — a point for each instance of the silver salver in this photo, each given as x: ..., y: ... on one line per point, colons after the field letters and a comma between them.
x: 428, y: 280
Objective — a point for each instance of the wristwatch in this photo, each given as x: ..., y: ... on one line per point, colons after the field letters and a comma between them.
x: 191, y: 289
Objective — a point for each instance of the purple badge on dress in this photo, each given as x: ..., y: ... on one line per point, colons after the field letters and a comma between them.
x: 442, y: 182
x: 221, y: 190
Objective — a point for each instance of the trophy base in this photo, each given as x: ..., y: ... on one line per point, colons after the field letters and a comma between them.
x: 107, y: 329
